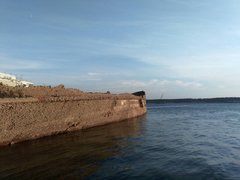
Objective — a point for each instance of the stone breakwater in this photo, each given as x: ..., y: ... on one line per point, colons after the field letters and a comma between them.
x: 31, y: 118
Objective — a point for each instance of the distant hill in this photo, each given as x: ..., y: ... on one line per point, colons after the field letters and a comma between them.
x: 200, y: 100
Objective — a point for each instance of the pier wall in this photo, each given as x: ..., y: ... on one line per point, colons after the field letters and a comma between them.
x: 31, y: 118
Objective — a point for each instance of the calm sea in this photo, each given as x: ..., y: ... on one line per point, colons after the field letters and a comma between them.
x: 173, y: 141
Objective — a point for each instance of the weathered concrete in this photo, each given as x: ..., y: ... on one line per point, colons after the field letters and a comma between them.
x: 31, y: 118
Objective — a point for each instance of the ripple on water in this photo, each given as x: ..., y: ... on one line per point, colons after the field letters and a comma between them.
x: 173, y: 141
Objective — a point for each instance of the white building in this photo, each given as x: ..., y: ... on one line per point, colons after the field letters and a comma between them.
x: 11, y: 80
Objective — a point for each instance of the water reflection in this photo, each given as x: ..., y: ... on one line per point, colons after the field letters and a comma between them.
x: 72, y: 155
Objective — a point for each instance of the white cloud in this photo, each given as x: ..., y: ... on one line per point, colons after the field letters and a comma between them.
x: 82, y: 77
x: 155, y: 83
x: 188, y: 84
x: 8, y: 63
x: 156, y: 88
x: 133, y: 83
x: 222, y: 67
x: 93, y: 74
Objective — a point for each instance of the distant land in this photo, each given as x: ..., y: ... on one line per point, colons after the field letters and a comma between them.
x: 198, y: 100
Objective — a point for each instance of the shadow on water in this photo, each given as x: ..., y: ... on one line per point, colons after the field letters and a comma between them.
x: 78, y: 154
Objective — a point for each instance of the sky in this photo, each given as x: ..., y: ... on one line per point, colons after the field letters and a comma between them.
x: 168, y: 48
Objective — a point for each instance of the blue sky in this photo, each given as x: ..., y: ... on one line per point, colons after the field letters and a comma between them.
x: 169, y: 48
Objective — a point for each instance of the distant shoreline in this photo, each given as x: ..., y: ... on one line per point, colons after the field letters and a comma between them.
x: 197, y: 100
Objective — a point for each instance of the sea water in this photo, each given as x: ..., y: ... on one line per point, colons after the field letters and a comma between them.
x: 172, y: 141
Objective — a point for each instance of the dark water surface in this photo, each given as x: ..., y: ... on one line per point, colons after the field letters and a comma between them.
x: 173, y: 141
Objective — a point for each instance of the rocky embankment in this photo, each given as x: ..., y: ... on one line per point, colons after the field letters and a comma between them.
x: 37, y: 111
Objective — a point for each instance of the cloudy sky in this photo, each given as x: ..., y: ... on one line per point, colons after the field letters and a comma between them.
x: 169, y: 48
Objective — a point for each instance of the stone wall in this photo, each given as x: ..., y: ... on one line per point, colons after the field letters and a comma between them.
x: 31, y: 118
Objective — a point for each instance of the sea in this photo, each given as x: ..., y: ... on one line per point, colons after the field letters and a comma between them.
x: 192, y: 141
